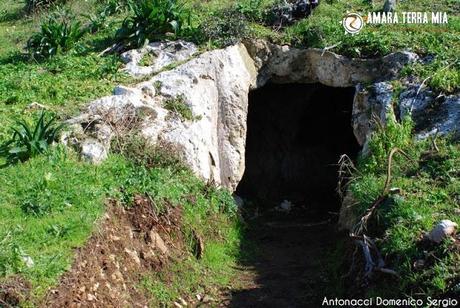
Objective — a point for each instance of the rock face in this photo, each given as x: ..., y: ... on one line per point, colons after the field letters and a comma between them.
x: 389, y: 6
x: 283, y: 64
x: 371, y: 105
x: 158, y: 55
x: 214, y: 88
x: 432, y: 115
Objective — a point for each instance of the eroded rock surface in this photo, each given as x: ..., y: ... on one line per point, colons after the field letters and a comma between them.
x: 371, y: 105
x: 158, y: 55
x: 284, y: 64
x: 214, y: 88
x: 432, y: 114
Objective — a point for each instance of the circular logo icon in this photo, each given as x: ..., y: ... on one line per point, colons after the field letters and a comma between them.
x: 353, y: 23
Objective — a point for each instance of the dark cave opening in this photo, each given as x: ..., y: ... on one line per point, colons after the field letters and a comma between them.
x: 296, y: 135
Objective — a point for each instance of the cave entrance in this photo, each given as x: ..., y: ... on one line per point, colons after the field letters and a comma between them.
x: 296, y: 135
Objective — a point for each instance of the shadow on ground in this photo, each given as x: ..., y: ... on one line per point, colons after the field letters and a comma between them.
x: 290, y: 265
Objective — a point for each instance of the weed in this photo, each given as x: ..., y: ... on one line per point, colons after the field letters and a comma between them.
x: 179, y: 106
x: 427, y: 185
x: 111, y: 7
x: 59, y: 33
x: 151, y: 20
x: 148, y: 59
x: 226, y: 27
x: 252, y: 9
x: 393, y: 135
x: 28, y: 141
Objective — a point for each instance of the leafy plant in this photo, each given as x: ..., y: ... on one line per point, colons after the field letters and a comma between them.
x: 178, y: 106
x: 28, y: 141
x: 393, y: 135
x: 111, y: 7
x: 252, y: 9
x: 152, y: 19
x: 225, y: 28
x: 59, y: 33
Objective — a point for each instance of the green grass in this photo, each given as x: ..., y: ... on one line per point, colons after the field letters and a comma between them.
x: 45, y: 218
x: 323, y: 29
x: 51, y: 204
x: 189, y: 276
x: 429, y: 185
x: 178, y: 106
x: 71, y: 195
x: 70, y: 80
x: 63, y: 84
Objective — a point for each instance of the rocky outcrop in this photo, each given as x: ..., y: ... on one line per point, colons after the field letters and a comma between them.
x: 213, y: 87
x: 372, y: 105
x: 284, y: 64
x: 431, y: 114
x: 158, y: 55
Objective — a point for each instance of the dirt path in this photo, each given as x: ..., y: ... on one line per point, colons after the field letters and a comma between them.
x: 289, y: 268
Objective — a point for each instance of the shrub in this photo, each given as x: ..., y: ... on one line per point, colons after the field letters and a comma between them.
x: 28, y: 141
x: 58, y: 33
x: 252, y: 9
x: 34, y: 5
x: 179, y: 107
x: 151, y: 20
x: 225, y: 28
x: 393, y: 135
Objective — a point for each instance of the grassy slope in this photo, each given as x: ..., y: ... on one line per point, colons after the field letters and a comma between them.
x: 68, y: 81
x: 63, y: 84
x: 50, y: 204
x: 443, y: 41
x: 429, y: 185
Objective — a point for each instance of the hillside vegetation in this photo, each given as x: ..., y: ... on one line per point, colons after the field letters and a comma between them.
x: 423, y: 188
x: 58, y: 58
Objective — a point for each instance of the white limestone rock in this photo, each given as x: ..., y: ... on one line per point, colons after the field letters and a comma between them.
x: 162, y: 54
x: 442, y: 230
x: 215, y: 87
x: 93, y: 151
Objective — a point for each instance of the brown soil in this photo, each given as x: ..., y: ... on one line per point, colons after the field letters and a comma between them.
x: 106, y: 272
x: 14, y: 291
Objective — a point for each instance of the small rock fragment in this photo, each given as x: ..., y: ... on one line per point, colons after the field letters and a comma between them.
x: 285, y: 206
x: 182, y: 301
x: 28, y: 261
x: 157, y: 242
x: 442, y: 230
x: 93, y: 151
x: 133, y: 255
